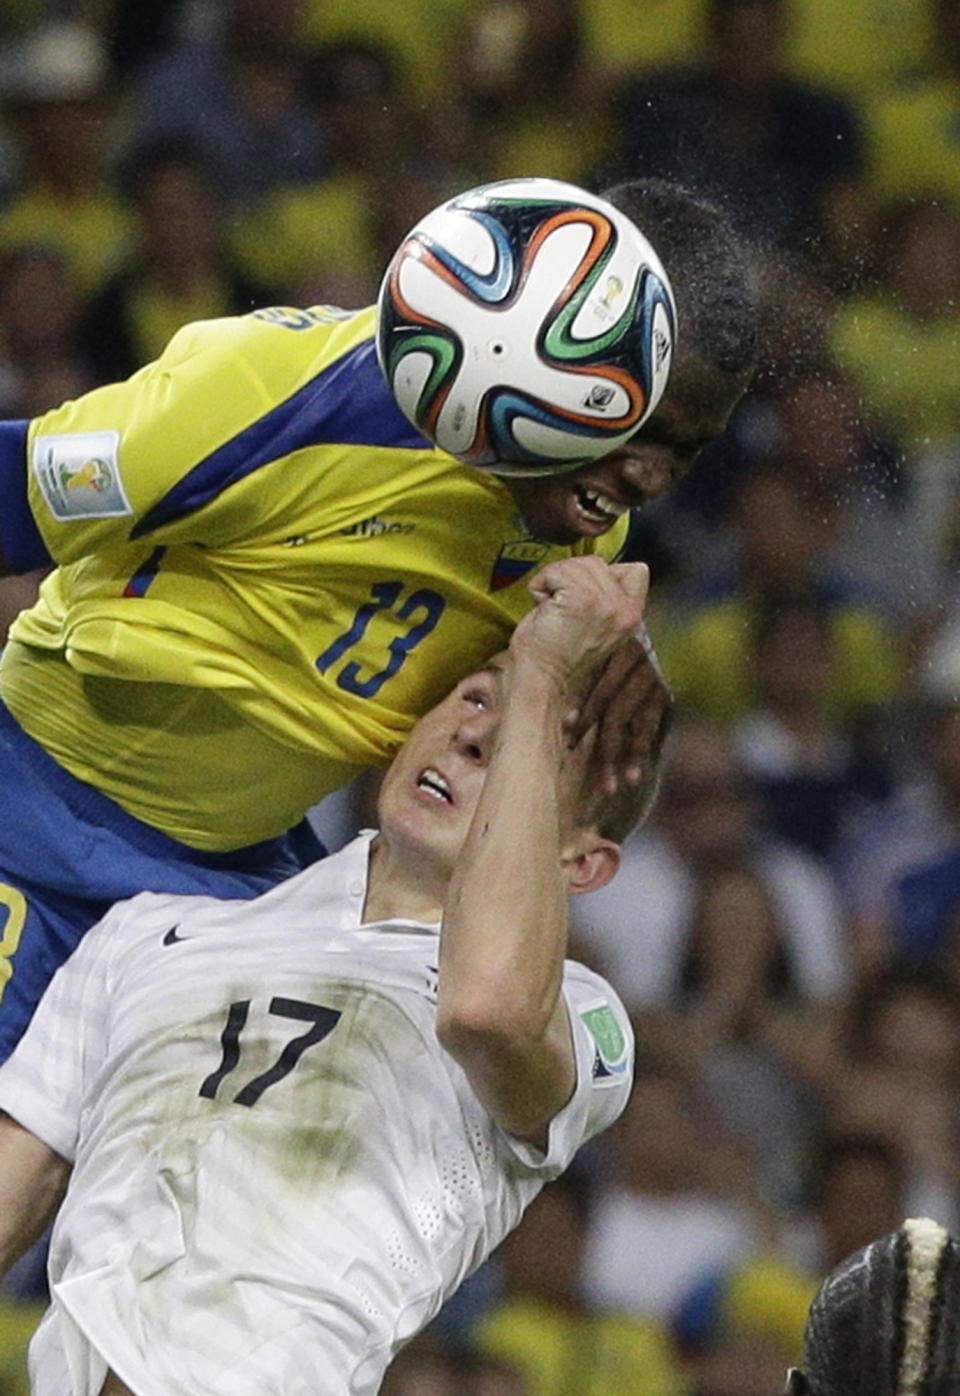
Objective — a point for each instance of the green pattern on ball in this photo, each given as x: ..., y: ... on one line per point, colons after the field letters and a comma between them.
x: 443, y: 355
x: 560, y: 343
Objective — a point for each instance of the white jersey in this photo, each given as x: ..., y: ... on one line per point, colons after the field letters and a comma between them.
x: 279, y: 1175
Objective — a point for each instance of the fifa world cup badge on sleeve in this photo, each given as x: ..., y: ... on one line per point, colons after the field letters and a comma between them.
x: 612, y: 1048
x: 79, y: 474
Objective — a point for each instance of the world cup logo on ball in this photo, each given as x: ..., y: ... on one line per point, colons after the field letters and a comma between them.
x: 526, y: 327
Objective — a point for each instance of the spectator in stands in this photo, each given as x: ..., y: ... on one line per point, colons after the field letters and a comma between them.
x: 782, y: 547
x: 860, y: 47
x: 888, y: 1067
x: 647, y: 36
x: 901, y: 340
x: 416, y: 34
x: 42, y: 360
x: 736, y: 961
x: 857, y: 1188
x: 320, y: 238
x: 544, y: 1327
x: 899, y: 1081
x: 853, y: 479
x: 681, y: 1201
x: 741, y: 1326
x: 179, y: 269
x: 60, y: 97
x: 908, y: 1019
x: 524, y: 77
x: 899, y: 863
x: 237, y: 96
x: 804, y: 765
x: 913, y: 125
x: 737, y: 982
x: 737, y: 127
x: 706, y: 822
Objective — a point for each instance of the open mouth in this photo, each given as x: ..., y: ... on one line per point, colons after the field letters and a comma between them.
x: 434, y: 785
x: 597, y: 507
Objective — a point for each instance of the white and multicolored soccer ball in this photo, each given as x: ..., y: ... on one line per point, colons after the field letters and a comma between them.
x: 526, y: 327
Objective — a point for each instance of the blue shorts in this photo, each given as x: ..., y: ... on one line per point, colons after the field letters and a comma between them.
x: 67, y: 852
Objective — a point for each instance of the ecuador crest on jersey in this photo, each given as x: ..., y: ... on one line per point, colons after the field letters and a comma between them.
x: 515, y: 560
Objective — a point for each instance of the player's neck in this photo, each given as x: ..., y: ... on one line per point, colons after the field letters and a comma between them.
x: 401, y: 887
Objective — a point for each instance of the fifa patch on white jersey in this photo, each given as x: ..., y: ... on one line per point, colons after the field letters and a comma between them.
x: 611, y: 1058
x: 79, y: 474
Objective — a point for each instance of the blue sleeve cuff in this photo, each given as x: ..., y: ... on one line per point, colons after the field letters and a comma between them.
x: 23, y: 547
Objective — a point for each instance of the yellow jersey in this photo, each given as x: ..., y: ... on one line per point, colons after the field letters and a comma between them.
x: 265, y: 575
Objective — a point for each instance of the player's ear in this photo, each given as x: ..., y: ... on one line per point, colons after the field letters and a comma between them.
x: 589, y: 861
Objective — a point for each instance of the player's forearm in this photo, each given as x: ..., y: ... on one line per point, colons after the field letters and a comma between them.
x: 33, y: 1179
x: 500, y: 1009
x: 505, y: 921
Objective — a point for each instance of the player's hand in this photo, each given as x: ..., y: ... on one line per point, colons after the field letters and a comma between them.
x: 585, y: 608
x: 631, y: 703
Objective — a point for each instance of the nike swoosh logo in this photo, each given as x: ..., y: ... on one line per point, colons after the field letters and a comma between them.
x: 173, y: 936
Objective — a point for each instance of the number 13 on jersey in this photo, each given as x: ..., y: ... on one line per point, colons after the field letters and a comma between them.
x: 417, y: 612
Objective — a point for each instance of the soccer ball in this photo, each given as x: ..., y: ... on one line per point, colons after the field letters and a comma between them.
x: 526, y: 327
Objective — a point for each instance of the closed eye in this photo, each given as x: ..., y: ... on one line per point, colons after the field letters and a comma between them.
x: 685, y: 448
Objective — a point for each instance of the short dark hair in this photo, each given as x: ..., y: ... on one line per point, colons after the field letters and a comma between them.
x: 711, y: 273
x: 615, y: 816
x: 886, y: 1321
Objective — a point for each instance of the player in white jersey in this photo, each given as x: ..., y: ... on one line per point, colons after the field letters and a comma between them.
x: 288, y: 1128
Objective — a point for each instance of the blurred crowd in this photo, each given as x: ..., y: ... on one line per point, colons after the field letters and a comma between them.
x: 786, y: 930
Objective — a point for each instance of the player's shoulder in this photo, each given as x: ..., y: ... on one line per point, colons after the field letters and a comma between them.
x: 604, y: 1042
x: 315, y: 334
x: 595, y: 1001
x: 582, y: 980
x: 148, y: 910
x: 336, y: 881
x: 136, y: 921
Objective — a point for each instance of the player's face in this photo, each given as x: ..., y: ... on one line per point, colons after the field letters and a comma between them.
x: 431, y: 789
x: 587, y: 502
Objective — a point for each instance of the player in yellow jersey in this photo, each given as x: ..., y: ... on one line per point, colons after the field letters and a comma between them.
x: 264, y: 574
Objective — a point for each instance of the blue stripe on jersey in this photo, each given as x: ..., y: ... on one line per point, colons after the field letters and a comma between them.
x: 139, y: 583
x: 349, y: 403
x: 23, y: 547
